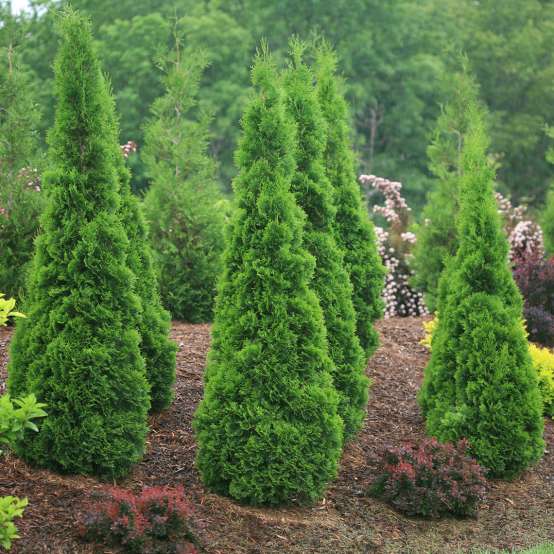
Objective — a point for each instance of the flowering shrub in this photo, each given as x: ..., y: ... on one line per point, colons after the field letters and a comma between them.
x: 543, y: 362
x: 157, y: 520
x: 535, y: 279
x: 430, y: 479
x: 524, y: 235
x: 395, y: 245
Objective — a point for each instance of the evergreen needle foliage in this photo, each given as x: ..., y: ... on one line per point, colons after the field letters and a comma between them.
x: 78, y: 350
x: 157, y: 349
x: 20, y: 198
x: 480, y: 383
x: 184, y: 206
x: 548, y: 222
x: 331, y: 283
x: 267, y: 429
x: 437, y: 239
x: 355, y: 234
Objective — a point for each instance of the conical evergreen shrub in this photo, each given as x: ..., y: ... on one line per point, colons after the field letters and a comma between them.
x: 479, y: 383
x: 267, y: 429
x: 355, y: 233
x: 331, y: 283
x: 154, y: 322
x: 437, y: 238
x: 78, y: 350
x: 548, y: 222
x: 21, y: 201
x: 184, y: 205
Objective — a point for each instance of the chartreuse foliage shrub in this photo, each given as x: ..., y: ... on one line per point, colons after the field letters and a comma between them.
x: 267, y: 429
x: 479, y: 383
x: 314, y: 194
x: 154, y: 521
x: 78, y: 350
x: 21, y: 200
x: 437, y: 238
x: 430, y: 479
x: 543, y: 362
x: 15, y: 417
x: 154, y: 321
x: 184, y: 206
x: 354, y: 231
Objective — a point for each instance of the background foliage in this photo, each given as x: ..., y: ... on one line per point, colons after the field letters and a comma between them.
x: 393, y: 54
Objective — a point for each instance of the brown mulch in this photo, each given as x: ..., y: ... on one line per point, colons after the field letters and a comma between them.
x: 517, y: 514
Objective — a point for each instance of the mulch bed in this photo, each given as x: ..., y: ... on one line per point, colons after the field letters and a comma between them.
x: 517, y: 514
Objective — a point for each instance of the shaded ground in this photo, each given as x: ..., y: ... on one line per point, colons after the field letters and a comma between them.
x: 517, y: 514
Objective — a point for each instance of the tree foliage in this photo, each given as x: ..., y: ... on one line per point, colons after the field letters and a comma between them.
x: 354, y: 232
x: 184, y: 206
x: 331, y: 283
x: 480, y: 383
x: 437, y: 238
x: 78, y: 350
x: 267, y: 428
x: 20, y: 197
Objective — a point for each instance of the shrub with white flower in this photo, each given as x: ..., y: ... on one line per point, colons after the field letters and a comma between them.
x: 395, y: 244
x: 524, y: 235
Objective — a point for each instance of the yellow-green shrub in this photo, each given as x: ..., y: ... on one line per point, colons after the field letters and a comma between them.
x: 543, y: 362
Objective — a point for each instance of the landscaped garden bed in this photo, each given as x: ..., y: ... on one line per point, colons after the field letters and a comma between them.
x: 516, y: 514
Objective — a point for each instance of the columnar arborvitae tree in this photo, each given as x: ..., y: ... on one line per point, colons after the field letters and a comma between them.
x: 78, y: 350
x: 331, y: 283
x: 20, y: 198
x: 355, y: 234
x: 436, y: 236
x: 548, y: 214
x: 154, y: 322
x: 184, y: 206
x: 548, y: 223
x: 479, y: 383
x: 267, y: 429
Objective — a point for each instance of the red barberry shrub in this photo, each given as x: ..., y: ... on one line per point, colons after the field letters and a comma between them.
x: 155, y: 521
x: 535, y: 279
x: 430, y: 479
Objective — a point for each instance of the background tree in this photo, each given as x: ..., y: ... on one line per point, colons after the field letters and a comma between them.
x: 20, y: 197
x: 548, y: 214
x: 480, y: 383
x: 436, y: 236
x: 78, y: 350
x: 267, y: 428
x: 314, y: 194
x: 184, y: 206
x: 354, y: 232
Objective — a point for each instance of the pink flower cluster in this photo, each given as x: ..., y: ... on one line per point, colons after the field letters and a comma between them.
x: 394, y: 245
x: 130, y: 147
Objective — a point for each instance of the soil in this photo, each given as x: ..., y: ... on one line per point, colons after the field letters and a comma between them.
x: 516, y: 514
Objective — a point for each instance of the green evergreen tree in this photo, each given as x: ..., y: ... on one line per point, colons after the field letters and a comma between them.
x: 314, y: 194
x: 437, y: 237
x: 548, y: 223
x: 480, y: 383
x: 548, y: 214
x: 78, y: 350
x: 267, y: 429
x: 184, y: 206
x: 157, y: 349
x: 355, y: 233
x: 20, y: 198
